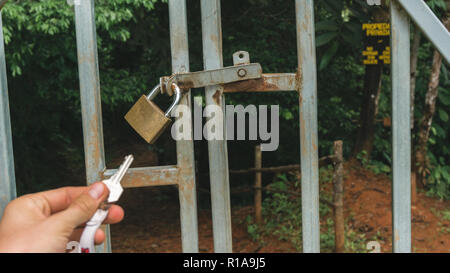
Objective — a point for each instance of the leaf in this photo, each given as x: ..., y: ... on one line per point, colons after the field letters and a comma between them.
x: 328, y: 56
x: 329, y: 25
x: 444, y: 98
x: 443, y: 115
x: 325, y: 38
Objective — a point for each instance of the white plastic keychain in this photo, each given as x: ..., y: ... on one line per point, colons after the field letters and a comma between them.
x: 115, y: 190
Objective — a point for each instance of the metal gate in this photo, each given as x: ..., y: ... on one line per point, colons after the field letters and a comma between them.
x: 303, y: 81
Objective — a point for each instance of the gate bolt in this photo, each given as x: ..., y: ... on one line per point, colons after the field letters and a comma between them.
x: 242, y: 72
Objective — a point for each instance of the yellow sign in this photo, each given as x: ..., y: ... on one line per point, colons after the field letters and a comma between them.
x: 378, y: 29
x: 376, y: 44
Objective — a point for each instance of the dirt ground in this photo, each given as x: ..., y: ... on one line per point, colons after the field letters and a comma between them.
x: 152, y: 224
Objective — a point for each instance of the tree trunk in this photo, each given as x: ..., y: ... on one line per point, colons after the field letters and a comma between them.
x: 414, y: 57
x: 369, y: 110
x: 338, y: 199
x: 369, y: 105
x: 2, y: 3
x: 422, y: 161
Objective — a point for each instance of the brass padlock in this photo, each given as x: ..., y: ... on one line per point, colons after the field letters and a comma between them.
x: 147, y: 118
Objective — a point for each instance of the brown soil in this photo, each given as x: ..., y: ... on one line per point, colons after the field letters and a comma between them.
x: 152, y: 222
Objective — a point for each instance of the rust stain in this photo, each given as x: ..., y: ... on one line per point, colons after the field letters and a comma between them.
x: 396, y: 236
x: 250, y: 85
x: 299, y: 82
x: 146, y: 178
x: 93, y: 147
x: 217, y: 96
x: 186, y: 85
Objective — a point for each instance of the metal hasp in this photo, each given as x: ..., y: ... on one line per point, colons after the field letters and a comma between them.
x: 211, y: 77
x: 217, y: 149
x: 430, y: 25
x: 304, y: 10
x: 90, y: 98
x: 7, y: 177
x: 401, y: 132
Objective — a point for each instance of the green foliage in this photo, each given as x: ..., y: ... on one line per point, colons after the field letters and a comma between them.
x: 439, y: 181
x: 43, y: 81
x: 283, y: 217
x: 377, y: 167
x: 282, y: 213
x: 252, y: 229
x: 339, y: 27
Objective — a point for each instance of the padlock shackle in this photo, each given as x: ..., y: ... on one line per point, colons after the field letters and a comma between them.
x: 154, y: 92
x: 177, y: 94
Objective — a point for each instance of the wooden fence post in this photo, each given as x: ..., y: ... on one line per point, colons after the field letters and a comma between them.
x: 338, y: 197
x: 258, y: 185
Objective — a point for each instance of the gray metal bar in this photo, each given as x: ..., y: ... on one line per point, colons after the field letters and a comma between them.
x: 7, y: 177
x: 212, y: 77
x: 430, y: 25
x: 90, y: 98
x: 217, y: 149
x: 308, y: 125
x: 401, y: 132
x: 185, y: 148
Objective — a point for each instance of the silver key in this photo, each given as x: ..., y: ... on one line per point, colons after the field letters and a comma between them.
x: 113, y: 183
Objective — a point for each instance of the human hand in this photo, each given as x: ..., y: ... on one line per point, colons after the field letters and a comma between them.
x: 47, y: 221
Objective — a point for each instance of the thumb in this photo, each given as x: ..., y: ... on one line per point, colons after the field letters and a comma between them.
x: 82, y: 208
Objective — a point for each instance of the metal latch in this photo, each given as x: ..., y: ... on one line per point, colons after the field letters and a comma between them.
x: 241, y: 70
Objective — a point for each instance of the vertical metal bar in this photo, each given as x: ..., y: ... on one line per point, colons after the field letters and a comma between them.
x: 308, y: 125
x: 401, y: 132
x: 90, y: 97
x: 217, y: 149
x: 185, y: 148
x: 7, y: 177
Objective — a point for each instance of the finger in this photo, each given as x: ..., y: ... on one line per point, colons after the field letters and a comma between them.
x: 81, y: 209
x: 99, y: 237
x: 115, y: 215
x: 58, y: 199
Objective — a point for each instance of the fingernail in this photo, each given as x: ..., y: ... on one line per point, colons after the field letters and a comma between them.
x: 96, y: 190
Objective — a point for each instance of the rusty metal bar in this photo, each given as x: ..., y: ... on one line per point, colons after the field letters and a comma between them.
x: 185, y: 148
x: 147, y: 176
x: 90, y: 98
x: 401, y: 130
x: 308, y: 125
x: 7, y: 176
x: 217, y: 149
x: 267, y: 83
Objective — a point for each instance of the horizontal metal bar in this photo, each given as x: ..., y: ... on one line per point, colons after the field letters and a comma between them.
x: 267, y: 83
x: 148, y: 176
x: 430, y: 25
x: 212, y: 77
